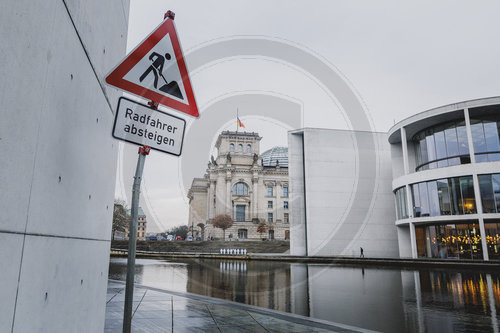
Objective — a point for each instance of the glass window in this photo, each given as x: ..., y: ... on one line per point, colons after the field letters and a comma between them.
x: 240, y: 189
x: 493, y: 238
x: 487, y: 198
x: 231, y: 147
x: 463, y: 142
x: 401, y: 203
x: 495, y: 180
x: 269, y: 191
x: 242, y: 233
x: 285, y: 204
x: 269, y: 217
x: 269, y: 204
x: 424, y: 199
x: 249, y: 148
x: 285, y: 191
x: 491, y: 136
x: 415, y: 193
x: 431, y: 147
x: 442, y: 146
x: 433, y: 198
x: 449, y: 241
x: 285, y: 218
x: 450, y: 135
x: 240, y: 148
x: 452, y: 196
x: 443, y: 197
x: 468, y: 199
x: 240, y: 213
x: 478, y: 136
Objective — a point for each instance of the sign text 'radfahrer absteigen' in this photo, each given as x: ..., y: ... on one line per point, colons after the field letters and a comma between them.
x: 140, y: 124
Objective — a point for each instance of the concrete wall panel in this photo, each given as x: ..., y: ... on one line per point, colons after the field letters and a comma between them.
x: 348, y: 205
x: 69, y: 292
x: 10, y: 259
x: 57, y: 173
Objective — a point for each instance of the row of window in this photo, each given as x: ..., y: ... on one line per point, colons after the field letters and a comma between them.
x: 270, y: 204
x: 270, y: 192
x: 447, y: 145
x: 240, y: 214
x: 459, y: 241
x: 240, y: 148
x: 450, y: 196
x: 286, y: 218
x: 442, y: 146
x: 243, y: 234
x: 242, y: 189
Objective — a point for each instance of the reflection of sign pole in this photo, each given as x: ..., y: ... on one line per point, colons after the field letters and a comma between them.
x: 132, y: 237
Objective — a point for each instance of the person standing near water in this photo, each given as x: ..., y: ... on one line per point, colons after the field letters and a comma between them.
x: 361, y: 250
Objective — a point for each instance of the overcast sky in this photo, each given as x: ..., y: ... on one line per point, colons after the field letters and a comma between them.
x: 401, y: 57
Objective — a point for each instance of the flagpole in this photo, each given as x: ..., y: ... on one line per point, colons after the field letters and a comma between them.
x: 237, y: 119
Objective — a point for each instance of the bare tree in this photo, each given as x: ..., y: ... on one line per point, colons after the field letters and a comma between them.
x: 223, y: 222
x: 262, y: 228
x: 120, y: 218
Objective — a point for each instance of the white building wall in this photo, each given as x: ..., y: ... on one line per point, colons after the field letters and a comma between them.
x: 348, y: 194
x: 57, y: 171
x: 298, y: 221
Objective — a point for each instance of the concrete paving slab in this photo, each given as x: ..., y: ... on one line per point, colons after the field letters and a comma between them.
x: 157, y: 310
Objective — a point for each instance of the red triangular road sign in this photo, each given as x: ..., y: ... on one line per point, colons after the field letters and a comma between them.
x: 156, y: 70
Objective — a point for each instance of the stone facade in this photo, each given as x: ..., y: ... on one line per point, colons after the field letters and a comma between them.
x: 250, y: 187
x: 141, y: 224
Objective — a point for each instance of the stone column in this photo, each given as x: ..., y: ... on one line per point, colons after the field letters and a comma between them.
x: 255, y: 200
x: 228, y: 209
x: 210, y: 206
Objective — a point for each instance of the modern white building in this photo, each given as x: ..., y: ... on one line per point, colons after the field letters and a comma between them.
x: 435, y: 175
x: 58, y: 161
x: 446, y: 169
x: 340, y: 192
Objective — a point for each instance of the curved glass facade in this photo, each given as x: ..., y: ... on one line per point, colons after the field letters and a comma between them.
x: 441, y: 146
x: 401, y: 203
x: 489, y: 186
x: 485, y: 138
x: 457, y: 241
x: 448, y: 196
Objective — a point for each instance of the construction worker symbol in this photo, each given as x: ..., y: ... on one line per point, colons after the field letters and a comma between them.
x: 156, y: 69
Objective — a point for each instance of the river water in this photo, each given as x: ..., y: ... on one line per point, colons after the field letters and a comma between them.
x: 387, y: 300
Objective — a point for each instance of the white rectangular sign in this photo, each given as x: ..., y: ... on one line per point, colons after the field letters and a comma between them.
x: 143, y: 125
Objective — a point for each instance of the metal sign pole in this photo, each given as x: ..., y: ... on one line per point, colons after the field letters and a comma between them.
x: 129, y: 288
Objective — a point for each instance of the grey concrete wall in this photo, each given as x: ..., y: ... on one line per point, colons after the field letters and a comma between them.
x: 349, y: 199
x: 404, y: 241
x: 398, y: 169
x: 57, y: 171
x: 296, y: 189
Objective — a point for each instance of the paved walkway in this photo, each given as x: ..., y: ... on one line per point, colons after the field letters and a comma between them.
x: 157, y: 310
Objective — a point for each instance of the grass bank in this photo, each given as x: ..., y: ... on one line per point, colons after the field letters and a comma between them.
x: 206, y: 246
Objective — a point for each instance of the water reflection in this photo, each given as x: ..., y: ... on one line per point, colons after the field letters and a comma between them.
x: 387, y: 300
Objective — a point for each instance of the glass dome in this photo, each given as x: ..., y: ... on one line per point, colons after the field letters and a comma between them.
x: 280, y: 154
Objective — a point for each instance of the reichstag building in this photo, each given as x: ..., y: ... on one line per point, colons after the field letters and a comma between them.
x: 250, y: 187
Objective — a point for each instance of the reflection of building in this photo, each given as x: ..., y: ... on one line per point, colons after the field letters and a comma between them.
x: 446, y: 168
x: 249, y: 187
x: 259, y: 283
x: 141, y: 224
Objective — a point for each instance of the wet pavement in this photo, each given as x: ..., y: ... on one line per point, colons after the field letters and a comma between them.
x: 157, y: 310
